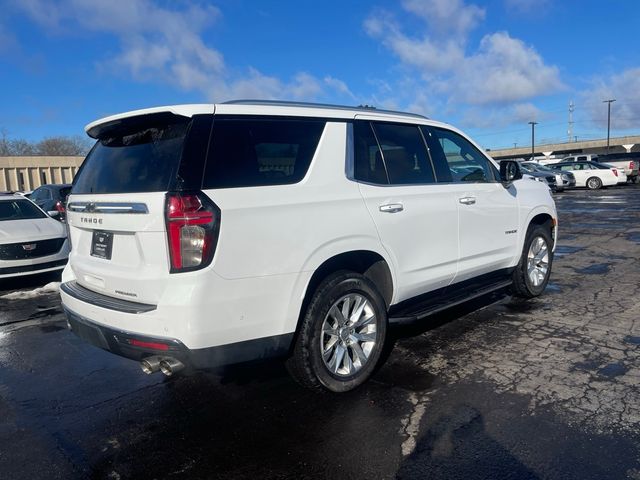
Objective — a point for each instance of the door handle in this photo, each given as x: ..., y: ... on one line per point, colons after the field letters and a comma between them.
x: 391, y: 208
x: 467, y: 200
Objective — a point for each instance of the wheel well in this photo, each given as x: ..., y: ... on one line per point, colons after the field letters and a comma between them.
x: 544, y: 219
x: 365, y: 262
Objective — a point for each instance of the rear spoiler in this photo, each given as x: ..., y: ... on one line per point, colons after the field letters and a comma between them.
x: 134, y: 123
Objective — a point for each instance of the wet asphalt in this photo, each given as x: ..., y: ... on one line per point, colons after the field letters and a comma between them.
x: 495, y: 389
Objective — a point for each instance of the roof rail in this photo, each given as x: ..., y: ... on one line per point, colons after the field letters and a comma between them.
x: 284, y: 103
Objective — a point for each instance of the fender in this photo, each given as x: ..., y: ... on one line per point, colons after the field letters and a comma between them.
x: 539, y: 210
x: 323, y: 253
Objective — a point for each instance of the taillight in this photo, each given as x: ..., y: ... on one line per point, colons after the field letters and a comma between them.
x: 615, y: 172
x: 60, y: 206
x: 193, y: 223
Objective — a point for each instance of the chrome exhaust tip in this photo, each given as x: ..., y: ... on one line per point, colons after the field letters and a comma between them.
x: 150, y: 365
x: 169, y: 366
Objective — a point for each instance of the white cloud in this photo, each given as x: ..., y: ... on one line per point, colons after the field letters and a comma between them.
x: 501, y: 116
x: 446, y: 17
x: 498, y: 71
x: 164, y: 43
x: 625, y: 89
x: 503, y: 70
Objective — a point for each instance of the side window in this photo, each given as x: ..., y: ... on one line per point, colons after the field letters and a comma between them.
x: 369, y: 166
x: 581, y: 158
x: 46, y: 194
x: 404, y: 153
x: 249, y: 152
x: 466, y: 163
x: 36, y: 194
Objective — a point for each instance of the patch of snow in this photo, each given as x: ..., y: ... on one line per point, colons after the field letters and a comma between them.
x: 26, y: 294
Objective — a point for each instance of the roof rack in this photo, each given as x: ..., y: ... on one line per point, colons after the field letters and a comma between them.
x: 284, y: 103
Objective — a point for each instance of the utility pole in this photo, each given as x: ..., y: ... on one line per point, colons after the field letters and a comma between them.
x: 608, y: 102
x: 570, y: 129
x: 533, y: 127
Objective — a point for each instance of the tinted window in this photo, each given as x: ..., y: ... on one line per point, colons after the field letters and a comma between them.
x: 19, y: 210
x: 404, y: 153
x: 466, y: 163
x: 440, y: 164
x: 253, y: 152
x: 140, y: 160
x: 369, y: 166
x: 63, y: 193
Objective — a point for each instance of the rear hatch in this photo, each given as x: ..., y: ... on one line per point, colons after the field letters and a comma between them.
x: 116, y: 209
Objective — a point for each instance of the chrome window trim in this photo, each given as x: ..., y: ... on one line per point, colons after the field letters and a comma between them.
x: 108, y: 207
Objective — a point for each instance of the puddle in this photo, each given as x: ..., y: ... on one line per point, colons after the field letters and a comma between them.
x: 613, y: 370
x: 606, y: 226
x: 634, y: 237
x: 595, y: 269
x: 562, y: 250
x: 587, y: 365
x: 552, y: 288
x: 51, y: 328
x: 633, y: 340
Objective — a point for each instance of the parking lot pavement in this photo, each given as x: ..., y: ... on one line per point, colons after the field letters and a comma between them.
x: 500, y: 388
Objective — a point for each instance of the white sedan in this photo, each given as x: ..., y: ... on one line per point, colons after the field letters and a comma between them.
x: 30, y: 241
x: 589, y: 174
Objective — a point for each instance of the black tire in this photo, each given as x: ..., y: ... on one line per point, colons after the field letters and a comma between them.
x: 593, y: 183
x: 307, y: 365
x: 523, y: 285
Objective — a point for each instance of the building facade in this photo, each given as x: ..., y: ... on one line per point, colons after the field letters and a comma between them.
x: 27, y: 173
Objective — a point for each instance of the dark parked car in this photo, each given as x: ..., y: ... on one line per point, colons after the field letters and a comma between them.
x: 52, y: 199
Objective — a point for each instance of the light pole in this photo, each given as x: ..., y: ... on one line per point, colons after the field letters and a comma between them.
x: 533, y: 127
x: 608, y: 102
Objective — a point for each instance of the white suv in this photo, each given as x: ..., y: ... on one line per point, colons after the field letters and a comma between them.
x: 205, y: 235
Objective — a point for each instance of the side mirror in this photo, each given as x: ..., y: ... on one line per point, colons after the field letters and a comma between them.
x: 509, y: 172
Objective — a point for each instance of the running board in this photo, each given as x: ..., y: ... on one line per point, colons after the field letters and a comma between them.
x: 437, y: 302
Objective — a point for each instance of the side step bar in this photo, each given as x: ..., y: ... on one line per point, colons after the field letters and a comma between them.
x: 437, y: 302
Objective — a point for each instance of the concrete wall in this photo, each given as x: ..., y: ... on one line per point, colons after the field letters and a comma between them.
x: 28, y: 173
x: 563, y: 149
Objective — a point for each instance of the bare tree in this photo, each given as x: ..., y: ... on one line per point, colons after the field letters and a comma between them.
x: 51, y: 146
x: 63, y: 146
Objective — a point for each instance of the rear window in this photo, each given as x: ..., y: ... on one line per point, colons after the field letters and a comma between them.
x: 19, y: 210
x: 142, y: 160
x: 255, y: 152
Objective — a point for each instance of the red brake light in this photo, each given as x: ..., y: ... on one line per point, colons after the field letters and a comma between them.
x: 151, y: 345
x: 615, y: 172
x: 60, y: 206
x: 193, y: 222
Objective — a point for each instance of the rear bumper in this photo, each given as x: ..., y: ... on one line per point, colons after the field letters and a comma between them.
x: 136, y: 346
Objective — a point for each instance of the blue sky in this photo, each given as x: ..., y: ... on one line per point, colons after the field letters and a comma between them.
x: 488, y: 67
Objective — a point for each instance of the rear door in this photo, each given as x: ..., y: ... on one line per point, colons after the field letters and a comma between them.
x: 416, y: 218
x: 116, y: 208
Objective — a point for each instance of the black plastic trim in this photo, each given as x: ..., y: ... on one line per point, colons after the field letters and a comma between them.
x: 118, y: 343
x: 77, y: 291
